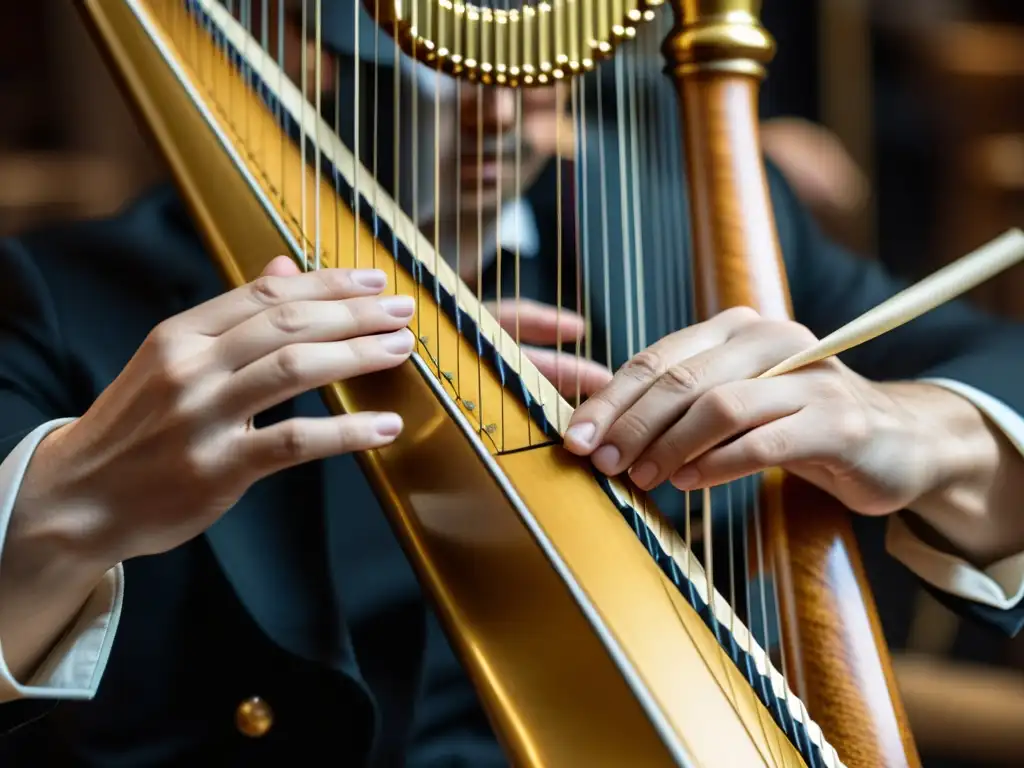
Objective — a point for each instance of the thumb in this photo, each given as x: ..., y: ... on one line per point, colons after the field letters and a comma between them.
x: 281, y: 266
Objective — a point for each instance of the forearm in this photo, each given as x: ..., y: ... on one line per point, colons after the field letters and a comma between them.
x: 975, y: 505
x: 44, y: 583
x: 47, y: 567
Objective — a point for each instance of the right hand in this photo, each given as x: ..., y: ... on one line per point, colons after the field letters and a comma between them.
x: 168, y: 447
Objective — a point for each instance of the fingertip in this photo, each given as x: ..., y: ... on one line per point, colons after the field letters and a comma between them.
x: 579, y: 437
x: 686, y: 479
x: 374, y: 279
x: 388, y: 425
x: 281, y: 266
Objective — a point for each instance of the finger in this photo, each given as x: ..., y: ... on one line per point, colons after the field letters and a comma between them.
x: 303, y: 322
x: 793, y: 439
x: 297, y: 441
x: 571, y: 375
x: 672, y: 395
x: 743, y: 356
x: 530, y: 322
x: 219, y: 315
x: 299, y: 368
x: 718, y: 416
x: 281, y: 266
x: 592, y: 419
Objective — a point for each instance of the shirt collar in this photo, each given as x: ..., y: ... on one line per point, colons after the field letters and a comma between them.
x: 519, y: 228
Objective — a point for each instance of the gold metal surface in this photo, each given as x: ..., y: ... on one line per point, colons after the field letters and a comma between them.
x: 718, y: 35
x: 531, y: 45
x: 512, y: 596
x: 254, y: 717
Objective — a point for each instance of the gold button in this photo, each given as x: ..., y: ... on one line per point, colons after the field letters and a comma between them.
x: 254, y: 717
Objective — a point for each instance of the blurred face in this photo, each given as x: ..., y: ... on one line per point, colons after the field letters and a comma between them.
x: 292, y: 39
x: 487, y: 160
x: 473, y: 140
x: 475, y: 137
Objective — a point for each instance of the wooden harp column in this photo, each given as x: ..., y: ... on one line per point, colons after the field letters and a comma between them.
x: 837, y: 660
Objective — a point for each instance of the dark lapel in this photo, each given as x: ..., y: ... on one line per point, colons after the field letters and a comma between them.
x: 273, y: 548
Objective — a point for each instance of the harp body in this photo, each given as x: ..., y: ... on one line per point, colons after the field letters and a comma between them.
x: 582, y: 649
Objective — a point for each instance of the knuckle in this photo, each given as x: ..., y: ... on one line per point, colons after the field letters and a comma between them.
x: 768, y: 448
x: 335, y: 281
x: 354, y: 434
x: 852, y: 424
x: 292, y: 443
x: 627, y: 428
x: 196, y: 467
x: 741, y: 314
x: 800, y: 334
x: 288, y: 318
x: 831, y: 388
x: 645, y: 366
x: 290, y: 364
x: 723, y: 405
x: 363, y: 351
x: 363, y: 316
x: 163, y: 344
x: 175, y: 377
x: 169, y: 365
x: 682, y: 378
x: 267, y: 290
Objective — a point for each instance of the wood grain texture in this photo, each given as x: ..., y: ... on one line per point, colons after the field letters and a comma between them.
x: 837, y: 659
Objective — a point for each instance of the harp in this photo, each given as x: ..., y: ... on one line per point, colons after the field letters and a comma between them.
x: 591, y: 628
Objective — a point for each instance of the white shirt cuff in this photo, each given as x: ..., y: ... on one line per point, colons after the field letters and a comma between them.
x: 72, y: 670
x: 1000, y: 585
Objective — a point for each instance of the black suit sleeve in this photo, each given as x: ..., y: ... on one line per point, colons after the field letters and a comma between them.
x: 33, y: 386
x: 831, y: 286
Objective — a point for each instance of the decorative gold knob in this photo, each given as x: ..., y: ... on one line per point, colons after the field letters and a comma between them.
x: 254, y: 717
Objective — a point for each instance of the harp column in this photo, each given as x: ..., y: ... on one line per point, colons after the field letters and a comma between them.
x: 837, y: 660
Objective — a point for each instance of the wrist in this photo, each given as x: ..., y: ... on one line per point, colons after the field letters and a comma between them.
x: 968, y: 456
x: 51, y: 564
x: 52, y: 527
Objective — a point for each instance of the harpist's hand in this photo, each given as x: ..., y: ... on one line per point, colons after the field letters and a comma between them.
x: 531, y: 323
x: 167, y: 447
x: 689, y: 410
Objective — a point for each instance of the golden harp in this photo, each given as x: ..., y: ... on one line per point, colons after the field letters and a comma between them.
x: 580, y: 614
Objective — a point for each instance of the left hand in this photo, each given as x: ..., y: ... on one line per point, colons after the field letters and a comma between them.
x: 537, y: 323
x: 689, y: 410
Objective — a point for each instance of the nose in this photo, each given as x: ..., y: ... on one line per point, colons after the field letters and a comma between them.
x: 488, y: 109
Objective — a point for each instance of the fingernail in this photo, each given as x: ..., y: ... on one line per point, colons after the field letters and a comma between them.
x: 399, y: 342
x: 369, y: 278
x: 388, y: 424
x: 580, y: 435
x: 686, y: 479
x: 606, y: 458
x: 398, y: 306
x: 644, y: 473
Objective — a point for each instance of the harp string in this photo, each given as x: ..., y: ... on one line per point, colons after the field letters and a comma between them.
x: 649, y: 158
x: 459, y: 266
x: 437, y: 199
x: 318, y: 88
x: 357, y: 115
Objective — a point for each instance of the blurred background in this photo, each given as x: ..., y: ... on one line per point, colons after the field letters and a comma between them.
x: 900, y: 122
